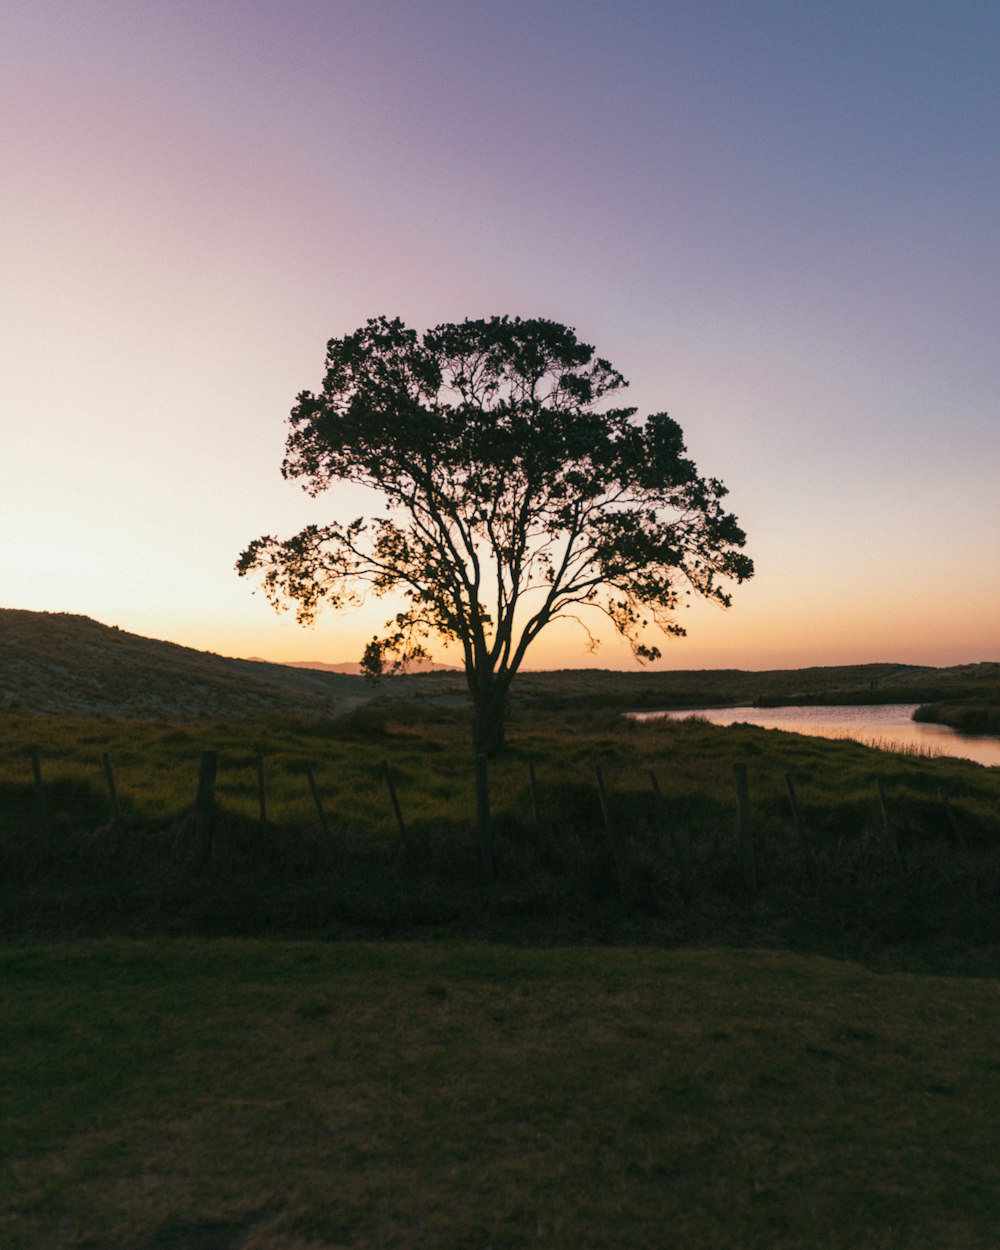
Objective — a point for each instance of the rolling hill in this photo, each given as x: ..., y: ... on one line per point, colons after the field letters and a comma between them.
x: 354, y: 666
x: 55, y: 663
x: 62, y: 664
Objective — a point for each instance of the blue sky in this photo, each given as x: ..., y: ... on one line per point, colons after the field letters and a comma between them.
x: 778, y: 220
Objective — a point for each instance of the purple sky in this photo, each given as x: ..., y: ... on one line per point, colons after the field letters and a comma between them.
x: 779, y: 220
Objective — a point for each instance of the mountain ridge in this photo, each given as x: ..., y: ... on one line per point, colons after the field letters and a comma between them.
x: 353, y: 667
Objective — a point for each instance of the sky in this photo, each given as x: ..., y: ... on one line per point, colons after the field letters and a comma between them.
x: 779, y: 220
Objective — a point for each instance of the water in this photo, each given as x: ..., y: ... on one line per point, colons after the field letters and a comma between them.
x: 888, y: 725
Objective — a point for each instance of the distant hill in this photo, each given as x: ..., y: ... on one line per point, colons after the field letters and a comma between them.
x: 60, y: 664
x: 354, y: 667
x: 693, y: 688
x: 345, y: 666
x: 55, y: 663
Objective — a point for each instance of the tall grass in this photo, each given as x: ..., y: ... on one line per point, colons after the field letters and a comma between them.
x: 933, y: 875
x: 975, y: 716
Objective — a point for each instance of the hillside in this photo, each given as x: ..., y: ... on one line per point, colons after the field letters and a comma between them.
x: 60, y: 664
x: 354, y: 666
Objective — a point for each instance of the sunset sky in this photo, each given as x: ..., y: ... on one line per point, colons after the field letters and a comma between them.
x: 780, y: 221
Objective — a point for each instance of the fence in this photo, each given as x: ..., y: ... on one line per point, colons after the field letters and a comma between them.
x: 616, y: 830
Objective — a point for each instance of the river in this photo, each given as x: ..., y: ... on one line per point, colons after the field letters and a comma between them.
x: 889, y: 726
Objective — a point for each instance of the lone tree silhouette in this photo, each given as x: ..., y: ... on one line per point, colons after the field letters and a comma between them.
x: 513, y: 495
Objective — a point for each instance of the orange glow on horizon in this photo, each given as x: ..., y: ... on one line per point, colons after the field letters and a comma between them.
x: 195, y: 203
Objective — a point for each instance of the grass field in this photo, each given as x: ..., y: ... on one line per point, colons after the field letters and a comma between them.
x: 591, y: 1043
x: 190, y: 1095
x: 932, y: 878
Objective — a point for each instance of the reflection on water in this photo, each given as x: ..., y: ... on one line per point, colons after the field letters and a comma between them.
x: 888, y: 725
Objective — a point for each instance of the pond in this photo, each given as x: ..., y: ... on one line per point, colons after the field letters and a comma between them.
x: 889, y: 726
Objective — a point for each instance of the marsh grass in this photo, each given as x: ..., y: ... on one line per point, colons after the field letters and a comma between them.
x: 976, y: 715
x: 303, y: 1096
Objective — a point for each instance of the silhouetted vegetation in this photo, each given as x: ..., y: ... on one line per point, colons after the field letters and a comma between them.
x: 509, y: 496
x: 971, y: 716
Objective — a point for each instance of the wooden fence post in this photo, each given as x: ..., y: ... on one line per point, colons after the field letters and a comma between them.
x: 118, y: 820
x: 393, y: 799
x: 318, y: 801
x: 602, y: 794
x: 747, y: 857
x: 483, y: 823
x: 116, y: 808
x: 888, y: 824
x: 667, y: 828
x: 807, y: 850
x: 41, y: 805
x: 261, y: 795
x: 610, y: 836
x: 958, y: 835
x: 956, y: 828
x: 204, y: 804
x: 533, y: 790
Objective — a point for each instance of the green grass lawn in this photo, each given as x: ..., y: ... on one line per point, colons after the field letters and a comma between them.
x: 188, y: 1094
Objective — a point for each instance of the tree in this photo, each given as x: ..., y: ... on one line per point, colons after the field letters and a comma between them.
x: 514, y: 495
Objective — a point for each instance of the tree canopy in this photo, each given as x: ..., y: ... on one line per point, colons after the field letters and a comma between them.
x: 514, y: 494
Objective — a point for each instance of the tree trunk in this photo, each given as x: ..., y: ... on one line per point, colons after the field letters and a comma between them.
x: 489, y: 714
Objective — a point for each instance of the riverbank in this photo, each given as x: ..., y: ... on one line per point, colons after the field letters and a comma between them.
x: 653, y: 689
x: 973, y: 717
x: 888, y: 726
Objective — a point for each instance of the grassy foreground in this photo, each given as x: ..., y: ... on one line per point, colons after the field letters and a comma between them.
x: 167, y: 1084
x: 189, y: 1094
